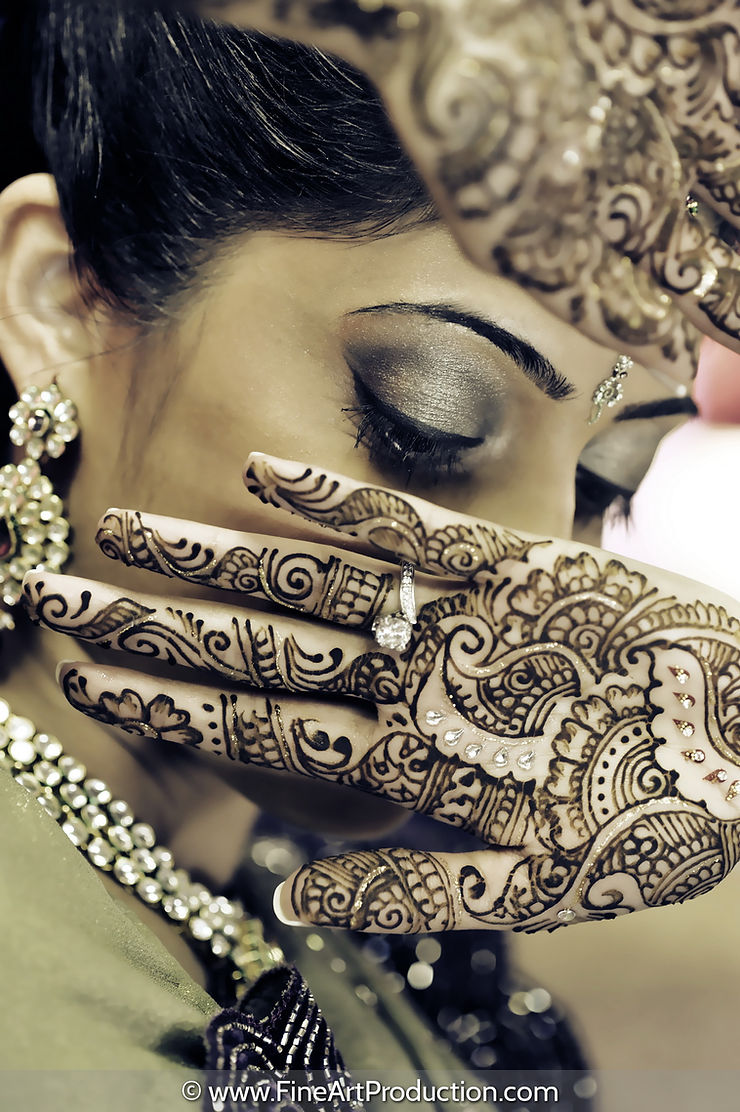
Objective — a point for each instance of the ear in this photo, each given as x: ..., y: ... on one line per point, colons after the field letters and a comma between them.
x: 44, y: 321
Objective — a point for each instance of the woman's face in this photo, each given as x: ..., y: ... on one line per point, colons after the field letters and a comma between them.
x: 395, y: 361
x: 453, y: 382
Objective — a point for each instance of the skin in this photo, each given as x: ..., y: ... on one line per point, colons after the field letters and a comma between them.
x: 576, y: 714
x: 124, y: 380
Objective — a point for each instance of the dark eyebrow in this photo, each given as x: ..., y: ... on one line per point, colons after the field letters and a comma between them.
x: 534, y: 364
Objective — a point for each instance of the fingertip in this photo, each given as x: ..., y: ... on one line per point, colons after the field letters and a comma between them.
x: 31, y: 578
x: 252, y: 459
x: 112, y: 511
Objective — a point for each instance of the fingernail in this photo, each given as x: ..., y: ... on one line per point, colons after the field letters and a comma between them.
x: 62, y: 668
x: 277, y: 907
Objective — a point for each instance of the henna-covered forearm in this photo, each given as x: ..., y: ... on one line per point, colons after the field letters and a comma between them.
x: 560, y: 140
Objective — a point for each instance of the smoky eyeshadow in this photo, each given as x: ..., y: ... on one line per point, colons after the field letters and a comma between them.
x: 437, y: 374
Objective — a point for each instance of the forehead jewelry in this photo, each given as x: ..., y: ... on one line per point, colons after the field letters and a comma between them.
x: 393, y: 631
x: 33, y: 529
x: 610, y: 391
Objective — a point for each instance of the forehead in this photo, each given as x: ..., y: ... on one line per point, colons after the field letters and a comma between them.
x: 313, y: 283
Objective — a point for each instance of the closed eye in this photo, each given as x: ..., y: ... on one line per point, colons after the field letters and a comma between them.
x: 403, y: 447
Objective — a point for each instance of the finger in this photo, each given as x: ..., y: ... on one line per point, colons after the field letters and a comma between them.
x: 397, y: 891
x: 322, y: 740
x: 659, y: 852
x: 272, y: 653
x: 302, y: 736
x: 309, y: 579
x: 387, y: 523
x: 720, y: 187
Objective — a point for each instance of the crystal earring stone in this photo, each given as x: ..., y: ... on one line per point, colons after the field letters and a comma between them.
x: 33, y: 529
x: 44, y: 422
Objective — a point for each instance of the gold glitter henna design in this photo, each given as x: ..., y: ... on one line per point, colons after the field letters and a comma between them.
x: 157, y: 718
x: 242, y: 650
x: 386, y: 520
x: 539, y: 712
x: 395, y: 890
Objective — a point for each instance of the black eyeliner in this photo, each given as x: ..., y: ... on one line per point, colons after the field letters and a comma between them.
x: 663, y: 407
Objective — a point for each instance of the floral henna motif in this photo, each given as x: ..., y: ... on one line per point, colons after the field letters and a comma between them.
x: 387, y: 521
x: 333, y: 589
x: 599, y: 180
x: 580, y: 717
x: 157, y: 718
x: 541, y: 712
x: 241, y: 650
x: 605, y: 812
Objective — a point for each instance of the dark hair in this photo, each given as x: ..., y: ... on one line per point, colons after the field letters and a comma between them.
x: 167, y: 135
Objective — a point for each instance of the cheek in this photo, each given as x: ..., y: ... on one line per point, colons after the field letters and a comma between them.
x: 278, y: 394
x: 528, y: 484
x: 534, y: 491
x: 202, y: 404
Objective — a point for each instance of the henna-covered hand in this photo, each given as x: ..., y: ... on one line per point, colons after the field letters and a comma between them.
x: 579, y: 714
x: 560, y: 139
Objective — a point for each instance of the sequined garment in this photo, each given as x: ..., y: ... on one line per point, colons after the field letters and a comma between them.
x: 275, y: 1029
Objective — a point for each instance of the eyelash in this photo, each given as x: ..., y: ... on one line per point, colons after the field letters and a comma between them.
x: 399, y: 445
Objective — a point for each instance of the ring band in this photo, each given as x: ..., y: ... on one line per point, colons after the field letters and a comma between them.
x: 408, y: 595
x: 393, y: 631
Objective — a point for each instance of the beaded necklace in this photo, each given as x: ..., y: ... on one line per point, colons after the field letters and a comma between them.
x: 105, y: 830
x: 510, y: 1025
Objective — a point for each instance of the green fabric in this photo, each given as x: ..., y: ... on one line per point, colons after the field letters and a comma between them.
x: 88, y: 987
x: 84, y: 983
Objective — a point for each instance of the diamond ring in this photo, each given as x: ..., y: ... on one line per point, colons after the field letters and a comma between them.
x: 393, y: 631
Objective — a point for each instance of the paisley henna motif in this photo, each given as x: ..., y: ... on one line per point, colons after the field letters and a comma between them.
x: 242, y: 650
x: 403, y: 891
x: 387, y: 521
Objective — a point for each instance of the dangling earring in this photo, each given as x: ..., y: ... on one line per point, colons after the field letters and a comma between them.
x: 33, y: 530
x: 611, y: 391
